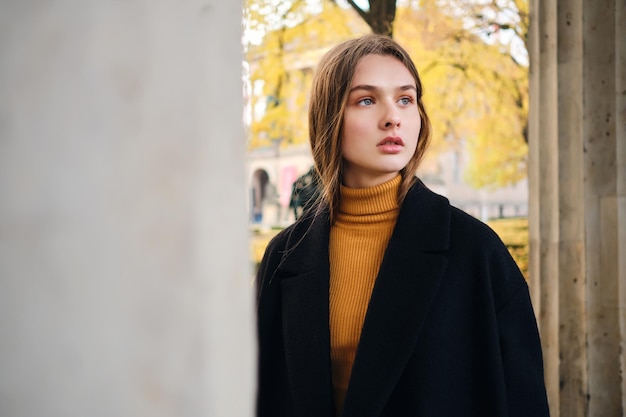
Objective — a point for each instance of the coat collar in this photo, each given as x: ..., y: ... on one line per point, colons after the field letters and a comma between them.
x: 408, y: 279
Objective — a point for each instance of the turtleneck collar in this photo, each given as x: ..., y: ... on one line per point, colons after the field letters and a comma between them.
x: 372, y: 200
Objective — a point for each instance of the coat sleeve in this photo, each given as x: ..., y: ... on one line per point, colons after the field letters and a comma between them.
x: 520, y: 347
x: 521, y: 358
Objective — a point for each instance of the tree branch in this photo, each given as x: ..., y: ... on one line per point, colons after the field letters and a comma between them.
x: 360, y: 11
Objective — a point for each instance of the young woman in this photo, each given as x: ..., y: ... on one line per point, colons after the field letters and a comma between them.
x: 383, y: 300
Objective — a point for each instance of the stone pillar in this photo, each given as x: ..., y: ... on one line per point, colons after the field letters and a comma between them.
x: 601, y: 217
x: 620, y: 135
x: 548, y: 185
x: 576, y: 197
x: 124, y: 276
x: 570, y: 211
x: 543, y: 182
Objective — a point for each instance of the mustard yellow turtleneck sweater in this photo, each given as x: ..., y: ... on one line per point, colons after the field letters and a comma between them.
x: 358, y: 240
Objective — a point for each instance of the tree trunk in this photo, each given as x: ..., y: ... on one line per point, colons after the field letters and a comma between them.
x: 380, y: 15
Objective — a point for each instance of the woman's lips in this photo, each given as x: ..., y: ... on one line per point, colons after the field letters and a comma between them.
x: 391, y: 145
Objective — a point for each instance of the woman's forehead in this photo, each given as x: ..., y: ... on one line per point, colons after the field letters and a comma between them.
x: 381, y: 69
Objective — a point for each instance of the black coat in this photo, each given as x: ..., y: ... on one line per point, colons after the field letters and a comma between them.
x: 449, y: 331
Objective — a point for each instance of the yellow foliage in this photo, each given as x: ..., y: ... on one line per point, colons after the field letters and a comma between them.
x: 475, y: 94
x: 284, y: 61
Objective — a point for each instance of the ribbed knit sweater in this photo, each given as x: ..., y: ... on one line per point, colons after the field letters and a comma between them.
x: 358, y: 240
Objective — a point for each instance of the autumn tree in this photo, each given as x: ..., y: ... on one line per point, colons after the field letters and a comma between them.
x: 497, y: 143
x: 269, y: 79
x: 282, y: 60
x: 505, y: 22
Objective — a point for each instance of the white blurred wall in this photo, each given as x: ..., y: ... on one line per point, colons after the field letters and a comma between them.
x: 124, y: 273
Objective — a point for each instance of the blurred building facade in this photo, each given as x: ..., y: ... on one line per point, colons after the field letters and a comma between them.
x: 271, y: 173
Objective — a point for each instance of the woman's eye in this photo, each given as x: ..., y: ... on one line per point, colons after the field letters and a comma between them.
x: 406, y: 100
x: 366, y: 102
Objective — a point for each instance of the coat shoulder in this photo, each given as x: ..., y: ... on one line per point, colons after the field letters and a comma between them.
x: 439, y: 216
x: 465, y: 227
x: 482, y: 247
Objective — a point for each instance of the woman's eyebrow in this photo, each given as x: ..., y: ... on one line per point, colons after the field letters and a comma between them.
x: 368, y: 87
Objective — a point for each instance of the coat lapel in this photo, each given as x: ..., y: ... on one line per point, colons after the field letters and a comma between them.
x: 304, y: 280
x: 408, y: 280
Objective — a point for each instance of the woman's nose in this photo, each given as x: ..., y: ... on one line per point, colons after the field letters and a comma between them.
x: 391, y: 119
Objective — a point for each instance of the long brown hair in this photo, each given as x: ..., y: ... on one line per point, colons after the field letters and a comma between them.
x: 329, y: 93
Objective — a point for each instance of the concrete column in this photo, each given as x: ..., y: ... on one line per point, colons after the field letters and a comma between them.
x: 548, y: 187
x: 571, y: 211
x: 600, y: 172
x: 584, y: 207
x: 124, y: 275
x: 620, y: 134
x: 533, y: 160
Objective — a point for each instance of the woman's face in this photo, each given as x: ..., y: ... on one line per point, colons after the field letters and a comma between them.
x: 381, y: 122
